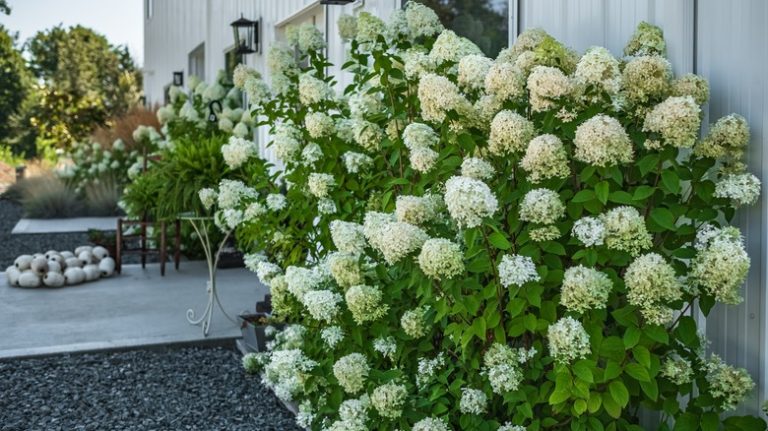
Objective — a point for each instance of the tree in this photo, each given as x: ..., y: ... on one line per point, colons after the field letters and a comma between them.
x: 14, y: 80
x: 84, y: 81
x: 4, y: 8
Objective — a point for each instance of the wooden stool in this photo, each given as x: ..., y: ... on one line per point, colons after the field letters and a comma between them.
x: 144, y: 249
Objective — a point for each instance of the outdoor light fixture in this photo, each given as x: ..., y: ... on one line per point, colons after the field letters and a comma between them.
x: 336, y: 2
x: 246, y: 34
x: 212, y: 112
x: 178, y: 78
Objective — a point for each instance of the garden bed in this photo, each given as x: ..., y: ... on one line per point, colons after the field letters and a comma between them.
x: 195, y: 388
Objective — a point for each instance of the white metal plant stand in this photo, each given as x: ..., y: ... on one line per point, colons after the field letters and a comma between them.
x: 202, y: 226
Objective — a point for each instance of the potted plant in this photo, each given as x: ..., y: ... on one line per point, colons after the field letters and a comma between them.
x: 106, y: 239
x: 254, y: 326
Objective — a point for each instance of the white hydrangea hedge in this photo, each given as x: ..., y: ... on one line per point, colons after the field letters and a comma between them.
x: 491, y: 244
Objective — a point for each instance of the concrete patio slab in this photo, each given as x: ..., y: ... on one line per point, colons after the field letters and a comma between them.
x: 137, y: 308
x: 78, y: 224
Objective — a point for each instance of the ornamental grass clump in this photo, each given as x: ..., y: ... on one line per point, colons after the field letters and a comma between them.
x: 496, y: 244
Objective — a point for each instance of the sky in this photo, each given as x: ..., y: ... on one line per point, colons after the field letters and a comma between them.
x: 119, y: 20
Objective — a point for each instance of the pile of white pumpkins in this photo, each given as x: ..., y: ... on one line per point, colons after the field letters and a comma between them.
x: 59, y: 268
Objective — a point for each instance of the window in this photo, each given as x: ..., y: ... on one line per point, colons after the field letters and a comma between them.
x: 149, y: 9
x: 484, y: 22
x: 231, y: 60
x: 197, y: 62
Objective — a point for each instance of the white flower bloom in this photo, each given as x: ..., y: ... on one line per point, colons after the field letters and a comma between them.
x: 213, y: 92
x: 310, y: 38
x: 320, y: 184
x: 347, y: 25
x: 469, y: 201
x: 242, y: 73
x: 348, y: 237
x: 423, y: 159
x: 362, y: 103
x: 369, y: 28
x: 547, y: 86
x: 276, y: 201
x: 319, y: 125
x: 345, y: 269
x: 302, y: 280
x: 545, y: 158
x: 398, y: 240
x: 313, y: 90
x: 267, y: 271
x: 430, y: 424
x: 501, y: 364
x: 509, y: 427
x: 677, y: 370
x: 676, y: 120
x: 625, y: 230
x: 389, y: 400
x: 226, y: 125
x: 422, y: 21
x: 417, y: 64
x: 427, y: 368
x: 233, y: 192
x: 602, y: 141
x: 365, y: 303
x: 240, y: 130
x: 647, y: 39
x: 516, y: 270
x: 477, y: 168
x: 584, y: 289
x: 651, y: 285
x: 373, y: 227
x: 568, y: 340
x: 691, y: 85
x: 450, y: 47
x: 741, y: 189
x: 599, y: 69
x: 355, y: 163
x: 721, y: 264
x: 257, y: 91
x: 351, y: 371
x: 311, y: 154
x: 473, y: 401
x: 510, y: 133
x: 368, y: 135
x: 728, y: 137
x: 541, y: 206
x: 505, y: 81
x: 438, y: 95
x: 254, y: 210
x: 419, y: 135
x: 286, y: 372
x: 441, y: 258
x: 472, y: 71
x: 322, y: 305
x: 414, y: 322
x: 387, y: 346
x: 646, y: 78
x: 207, y: 197
x: 237, y: 151
x: 326, y: 206
x: 589, y: 230
x: 727, y: 384
x: 416, y: 210
x: 332, y: 336
x: 228, y: 219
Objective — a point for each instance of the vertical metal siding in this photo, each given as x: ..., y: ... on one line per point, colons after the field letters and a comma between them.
x: 732, y: 53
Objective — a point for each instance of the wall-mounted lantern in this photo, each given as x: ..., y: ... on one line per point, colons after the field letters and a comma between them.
x: 246, y: 34
x: 178, y: 78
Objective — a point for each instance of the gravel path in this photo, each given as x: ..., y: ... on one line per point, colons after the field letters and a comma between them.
x: 11, y: 246
x: 177, y: 389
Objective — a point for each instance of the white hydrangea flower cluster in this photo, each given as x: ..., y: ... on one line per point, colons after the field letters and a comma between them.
x: 516, y: 270
x: 237, y: 151
x: 547, y: 87
x: 257, y: 90
x: 276, y: 201
x: 414, y: 322
x: 469, y: 201
x: 477, y: 168
x: 311, y: 154
x: 721, y: 264
x: 389, y: 400
x: 472, y: 72
x: 310, y: 38
x: 373, y: 227
x: 345, y: 269
x: 501, y: 364
x: 351, y: 371
x: 728, y: 137
x: 651, y: 285
x: 427, y: 368
x: 348, y: 237
x: 417, y: 63
x: 676, y: 120
x: 320, y: 184
x: 319, y: 124
x: 367, y: 135
x: 727, y: 384
x: 449, y: 47
x: 541, y: 206
x: 369, y: 28
x: 545, y: 158
x: 473, y: 401
x: 646, y: 78
x: 419, y: 138
x: 568, y: 341
x: 365, y: 303
x: 691, y: 85
x: 625, y: 230
x: 438, y: 95
x: 505, y: 82
x: 602, y: 141
x: 509, y: 427
x: 302, y: 280
x: 286, y: 372
x: 355, y: 163
x: 332, y: 336
x: 599, y: 69
x: 677, y: 370
x: 387, y: 346
x: 347, y: 25
x: 584, y: 289
x: 431, y: 424
x: 207, y: 197
x: 398, y: 239
x: 313, y: 90
x: 233, y: 192
x: 267, y: 271
x: 323, y: 305
x: 362, y: 103
x: 286, y: 142
x: 741, y: 189
x: 590, y: 231
x: 510, y: 133
x: 416, y: 210
x: 421, y: 20
x: 441, y: 258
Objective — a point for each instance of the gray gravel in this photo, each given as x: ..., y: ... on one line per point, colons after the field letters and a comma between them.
x: 15, y: 245
x: 176, y: 389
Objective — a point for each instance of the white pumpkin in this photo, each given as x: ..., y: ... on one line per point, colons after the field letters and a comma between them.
x: 22, y: 262
x: 73, y: 262
x: 86, y: 257
x: 74, y: 275
x: 107, y: 267
x: 100, y: 252
x: 83, y: 248
x: 12, y: 274
x: 53, y: 279
x: 29, y: 278
x: 92, y: 272
x: 67, y: 254
x: 39, y: 265
x: 50, y: 253
x: 54, y: 266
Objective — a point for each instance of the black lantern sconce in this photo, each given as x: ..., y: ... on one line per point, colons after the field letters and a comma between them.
x: 178, y: 79
x: 246, y: 34
x: 212, y: 111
